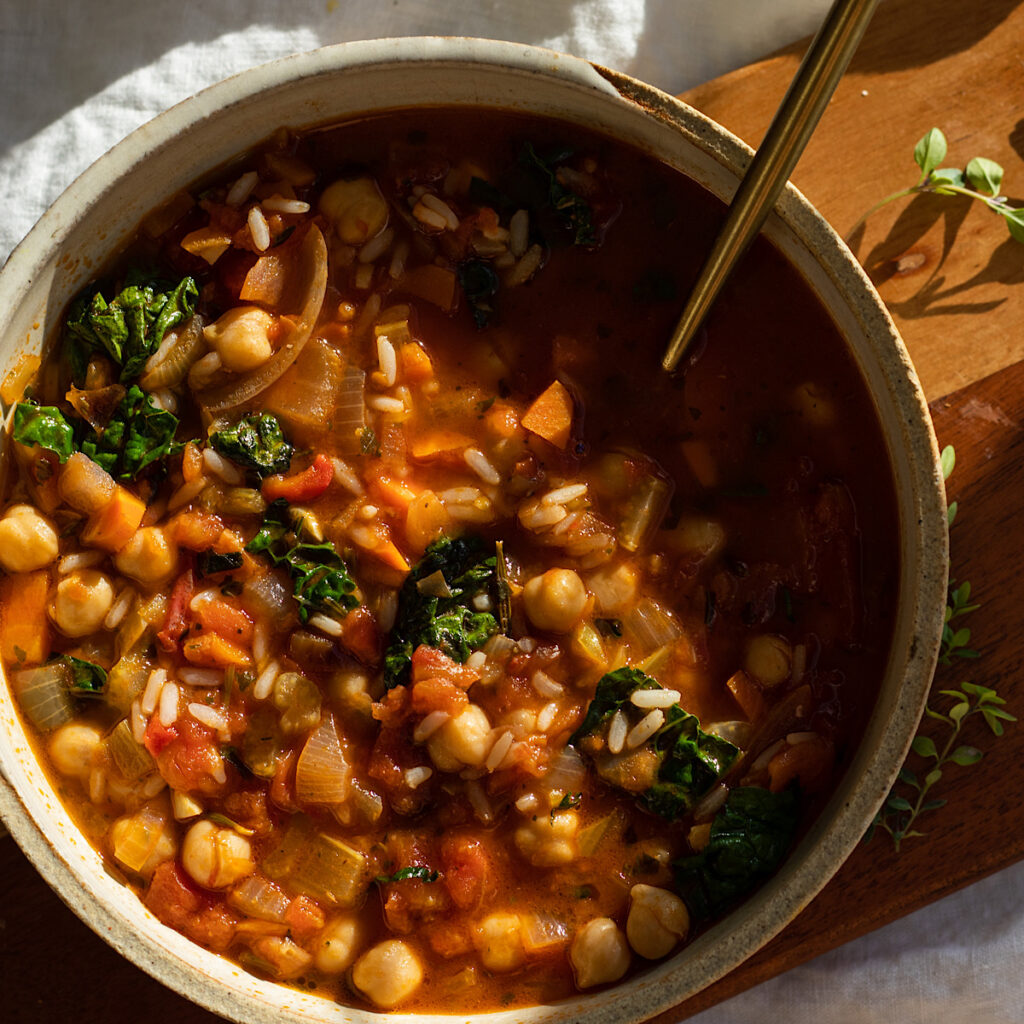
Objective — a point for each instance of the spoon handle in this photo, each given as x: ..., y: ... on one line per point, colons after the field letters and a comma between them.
x: 790, y: 130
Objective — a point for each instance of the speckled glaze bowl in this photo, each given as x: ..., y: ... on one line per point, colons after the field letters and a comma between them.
x: 98, y: 213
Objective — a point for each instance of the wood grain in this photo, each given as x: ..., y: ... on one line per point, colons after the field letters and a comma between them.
x: 938, y: 262
x: 939, y: 265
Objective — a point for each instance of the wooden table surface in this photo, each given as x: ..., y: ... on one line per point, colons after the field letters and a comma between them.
x: 950, y: 275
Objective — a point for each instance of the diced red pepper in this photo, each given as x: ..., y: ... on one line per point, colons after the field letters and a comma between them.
x: 304, y: 486
x: 177, y: 612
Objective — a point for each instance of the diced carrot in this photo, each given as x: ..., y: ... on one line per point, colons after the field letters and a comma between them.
x: 550, y: 415
x: 114, y: 525
x: 24, y: 627
x: 387, y: 553
x: 390, y: 490
x: 360, y: 636
x: 747, y: 694
x: 439, y: 443
x: 415, y: 363
x: 304, y: 486
x: 226, y: 621
x: 214, y: 651
x: 431, y: 282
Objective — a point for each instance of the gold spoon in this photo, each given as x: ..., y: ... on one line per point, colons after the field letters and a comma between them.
x: 798, y: 114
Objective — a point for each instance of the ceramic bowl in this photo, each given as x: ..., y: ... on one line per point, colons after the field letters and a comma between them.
x: 98, y: 213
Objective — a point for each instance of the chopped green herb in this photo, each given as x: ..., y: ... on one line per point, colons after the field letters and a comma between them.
x: 256, y: 442
x: 139, y: 435
x: 422, y: 874
x: 320, y: 579
x: 570, y: 800
x: 573, y: 209
x: 45, y: 426
x: 368, y: 443
x: 583, y: 892
x: 479, y: 284
x: 450, y: 624
x: 222, y: 819
x: 609, y: 627
x: 87, y: 678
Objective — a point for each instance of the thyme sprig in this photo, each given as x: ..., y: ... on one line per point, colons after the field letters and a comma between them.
x: 980, y: 179
x: 909, y: 797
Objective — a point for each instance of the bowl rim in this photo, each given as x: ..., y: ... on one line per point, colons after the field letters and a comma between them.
x: 629, y: 1001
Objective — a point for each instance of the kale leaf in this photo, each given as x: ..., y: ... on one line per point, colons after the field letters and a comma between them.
x: 87, y: 679
x: 450, y: 624
x: 129, y: 327
x: 690, y: 760
x: 45, y: 426
x: 211, y: 563
x: 422, y: 873
x: 320, y: 579
x: 138, y: 435
x: 479, y: 284
x: 256, y: 442
x: 749, y: 837
x: 573, y: 209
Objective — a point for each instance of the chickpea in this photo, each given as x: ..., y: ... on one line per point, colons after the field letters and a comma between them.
x: 657, y: 921
x: 298, y: 699
x: 337, y: 944
x: 599, y: 953
x: 555, y: 600
x: 148, y: 557
x: 356, y: 208
x: 769, y: 659
x: 241, y: 338
x: 463, y: 741
x: 72, y: 747
x: 498, y: 939
x: 549, y: 840
x: 388, y: 973
x: 82, y: 602
x: 697, y: 537
x: 28, y: 540
x: 216, y: 857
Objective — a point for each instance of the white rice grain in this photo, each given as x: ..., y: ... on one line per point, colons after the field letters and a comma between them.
x: 279, y: 204
x: 187, y: 493
x: 265, y: 683
x: 151, y: 694
x: 259, y: 643
x: 535, y: 516
x: 218, y: 774
x: 382, y: 403
x: 398, y: 258
x: 566, y: 524
x: 617, y: 729
x: 440, y: 207
x: 429, y: 218
x: 79, y: 560
x: 153, y: 785
x: 476, y: 661
x: 527, y: 644
x: 461, y: 495
x: 387, y: 611
x: 164, y: 399
x: 430, y: 725
x: 563, y: 495
x: 479, y: 802
x: 138, y: 721
x: 219, y: 466
x: 501, y: 747
x: 654, y: 698
x: 415, y: 777
x: 766, y: 755
x: 645, y: 728
x: 346, y: 477
x: 525, y: 268
x: 205, y: 678
x: 97, y: 785
x: 710, y: 803
x: 388, y: 360
x: 168, y: 705
x: 545, y: 685
x: 376, y: 246
x: 470, y: 513
x: 481, y: 465
x: 526, y: 803
x: 259, y: 229
x: 546, y: 716
x: 518, y: 232
x: 213, y: 717
x: 203, y: 598
x: 794, y: 739
x: 332, y: 627
x: 242, y: 189
x: 119, y: 609
x: 482, y: 603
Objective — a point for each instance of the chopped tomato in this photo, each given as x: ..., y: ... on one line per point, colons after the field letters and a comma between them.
x: 437, y: 695
x: 467, y: 870
x: 303, y: 486
x: 282, y: 789
x: 195, y: 529
x: 304, y: 918
x: 177, y: 901
x: 430, y: 663
x: 361, y: 637
x: 176, y: 622
x: 158, y: 735
x: 227, y: 621
x: 190, y: 761
x: 393, y: 708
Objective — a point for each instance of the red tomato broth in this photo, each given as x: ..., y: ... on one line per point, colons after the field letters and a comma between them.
x: 801, y: 484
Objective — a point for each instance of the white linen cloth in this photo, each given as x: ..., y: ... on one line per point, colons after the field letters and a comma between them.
x: 75, y: 78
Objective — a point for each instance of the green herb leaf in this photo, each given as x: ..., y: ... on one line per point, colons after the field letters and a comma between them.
x: 1015, y: 222
x: 479, y: 283
x: 573, y: 209
x: 138, y: 435
x: 749, y: 837
x: 930, y: 151
x: 567, y: 802
x: 923, y: 746
x: 131, y: 326
x: 210, y: 562
x: 965, y: 756
x: 45, y: 426
x: 320, y: 579
x: 422, y: 874
x: 984, y: 175
x: 449, y: 624
x: 947, y: 461
x: 952, y: 176
x: 87, y: 678
x: 256, y: 442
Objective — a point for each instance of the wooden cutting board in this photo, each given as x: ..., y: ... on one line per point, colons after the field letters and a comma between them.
x: 951, y: 277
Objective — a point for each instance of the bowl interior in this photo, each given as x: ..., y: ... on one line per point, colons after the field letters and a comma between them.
x: 99, y: 212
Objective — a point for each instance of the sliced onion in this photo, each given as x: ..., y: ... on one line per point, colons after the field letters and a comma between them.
x: 43, y: 694
x: 136, y: 841
x: 651, y: 624
x: 566, y: 773
x: 126, y: 680
x: 322, y: 772
x: 737, y: 733
x: 168, y: 367
x: 96, y: 405
x: 268, y: 597
x: 646, y: 509
x: 590, y: 837
x: 84, y: 485
x: 133, y: 760
x: 434, y: 585
x: 313, y: 270
x: 541, y: 931
x: 257, y: 897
